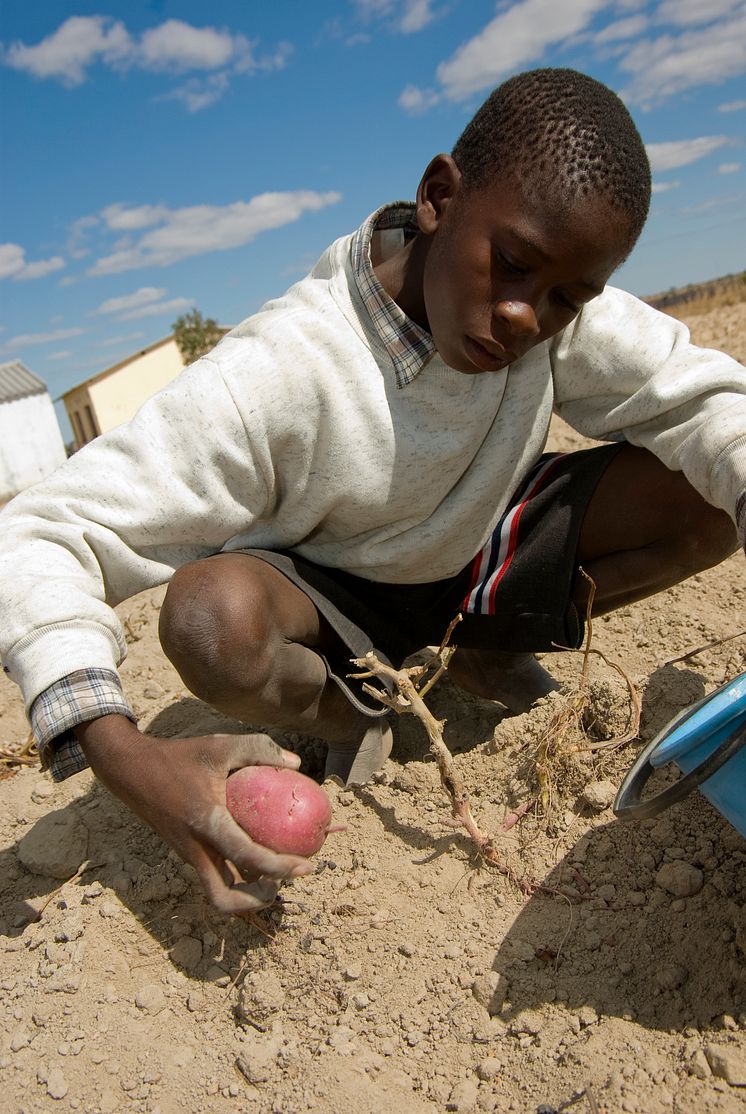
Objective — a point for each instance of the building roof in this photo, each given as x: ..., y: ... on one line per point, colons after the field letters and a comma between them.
x: 16, y: 381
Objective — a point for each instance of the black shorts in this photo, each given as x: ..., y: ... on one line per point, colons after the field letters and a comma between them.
x: 514, y: 595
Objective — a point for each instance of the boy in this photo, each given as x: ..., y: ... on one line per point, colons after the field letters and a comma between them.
x: 362, y: 459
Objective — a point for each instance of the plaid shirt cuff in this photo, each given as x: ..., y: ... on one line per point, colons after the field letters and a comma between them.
x: 84, y: 695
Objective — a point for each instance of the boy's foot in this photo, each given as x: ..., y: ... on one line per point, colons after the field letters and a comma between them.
x: 355, y: 765
x: 515, y: 680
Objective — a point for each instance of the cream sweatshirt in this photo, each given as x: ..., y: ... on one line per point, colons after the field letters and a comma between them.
x: 293, y: 434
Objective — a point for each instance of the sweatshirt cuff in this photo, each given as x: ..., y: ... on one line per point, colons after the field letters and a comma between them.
x: 83, y: 695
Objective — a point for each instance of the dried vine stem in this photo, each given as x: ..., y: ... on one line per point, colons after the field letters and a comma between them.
x: 408, y: 697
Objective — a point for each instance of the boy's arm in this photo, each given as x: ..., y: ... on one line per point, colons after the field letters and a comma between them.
x: 117, y: 518
x: 624, y: 369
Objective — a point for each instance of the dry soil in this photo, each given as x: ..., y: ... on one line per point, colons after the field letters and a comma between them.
x: 403, y: 975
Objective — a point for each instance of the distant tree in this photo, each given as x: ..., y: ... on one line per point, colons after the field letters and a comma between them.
x: 196, y: 335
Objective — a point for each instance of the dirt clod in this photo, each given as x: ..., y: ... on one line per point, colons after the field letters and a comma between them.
x: 727, y: 1063
x: 680, y: 879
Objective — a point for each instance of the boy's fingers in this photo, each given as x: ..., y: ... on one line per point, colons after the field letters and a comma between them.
x: 232, y: 843
x: 258, y: 750
x: 243, y: 898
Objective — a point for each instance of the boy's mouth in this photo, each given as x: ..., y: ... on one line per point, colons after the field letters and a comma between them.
x: 487, y: 355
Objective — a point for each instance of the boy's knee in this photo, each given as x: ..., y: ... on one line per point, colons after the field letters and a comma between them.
x: 215, y: 627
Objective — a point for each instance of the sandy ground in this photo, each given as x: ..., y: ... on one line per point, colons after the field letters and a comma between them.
x: 403, y: 976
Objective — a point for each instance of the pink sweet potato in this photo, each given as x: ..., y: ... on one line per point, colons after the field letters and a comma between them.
x: 279, y: 808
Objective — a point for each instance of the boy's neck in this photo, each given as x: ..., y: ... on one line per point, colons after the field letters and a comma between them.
x: 400, y: 274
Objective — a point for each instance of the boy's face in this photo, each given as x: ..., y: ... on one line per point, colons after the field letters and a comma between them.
x: 504, y: 270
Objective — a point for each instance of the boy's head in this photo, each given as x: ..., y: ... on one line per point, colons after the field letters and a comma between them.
x: 565, y: 135
x: 544, y: 196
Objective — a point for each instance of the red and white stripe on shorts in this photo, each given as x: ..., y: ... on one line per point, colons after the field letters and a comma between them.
x: 493, y: 561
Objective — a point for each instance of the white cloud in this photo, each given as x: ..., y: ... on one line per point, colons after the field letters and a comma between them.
x: 187, y: 232
x: 664, y: 187
x: 416, y: 101
x: 27, y: 340
x: 158, y: 308
x: 621, y: 29
x: 171, y: 47
x: 145, y: 302
x: 76, y: 240
x: 513, y: 38
x: 121, y: 339
x: 729, y: 167
x: 732, y: 106
x: 13, y: 264
x: 39, y: 269
x: 689, y: 12
x: 197, y: 93
x: 123, y: 219
x: 12, y: 259
x: 714, y: 203
x: 175, y: 45
x: 416, y: 15
x: 142, y: 297
x: 76, y: 44
x: 681, y: 152
x: 408, y: 16
x: 661, y: 67
x: 60, y: 355
x: 372, y: 9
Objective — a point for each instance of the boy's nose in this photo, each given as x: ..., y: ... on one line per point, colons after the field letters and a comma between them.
x: 519, y: 317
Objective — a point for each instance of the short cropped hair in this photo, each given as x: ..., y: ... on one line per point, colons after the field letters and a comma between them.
x: 560, y: 129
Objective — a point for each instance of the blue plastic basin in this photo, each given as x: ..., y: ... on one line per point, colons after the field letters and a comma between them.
x: 698, y: 735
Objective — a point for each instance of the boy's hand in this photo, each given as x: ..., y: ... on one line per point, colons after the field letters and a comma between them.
x: 177, y: 786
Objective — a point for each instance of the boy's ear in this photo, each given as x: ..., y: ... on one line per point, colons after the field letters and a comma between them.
x: 439, y: 185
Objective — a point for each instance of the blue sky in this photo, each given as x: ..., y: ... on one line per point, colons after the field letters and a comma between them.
x: 159, y: 155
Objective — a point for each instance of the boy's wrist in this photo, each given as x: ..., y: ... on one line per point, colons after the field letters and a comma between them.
x: 105, y: 735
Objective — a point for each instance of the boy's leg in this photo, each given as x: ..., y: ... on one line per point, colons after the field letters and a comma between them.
x: 645, y: 528
x: 248, y: 641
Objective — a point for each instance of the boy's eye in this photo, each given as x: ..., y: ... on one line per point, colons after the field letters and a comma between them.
x: 509, y: 266
x: 567, y: 302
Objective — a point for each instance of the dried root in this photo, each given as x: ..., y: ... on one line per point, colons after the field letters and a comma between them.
x: 19, y: 754
x: 566, y: 732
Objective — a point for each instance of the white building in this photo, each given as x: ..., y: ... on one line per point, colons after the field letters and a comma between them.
x: 31, y: 444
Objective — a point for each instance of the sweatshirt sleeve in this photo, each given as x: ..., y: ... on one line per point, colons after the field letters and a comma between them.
x: 169, y: 487
x: 623, y: 369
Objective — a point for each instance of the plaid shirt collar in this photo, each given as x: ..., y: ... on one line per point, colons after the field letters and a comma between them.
x: 408, y: 345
